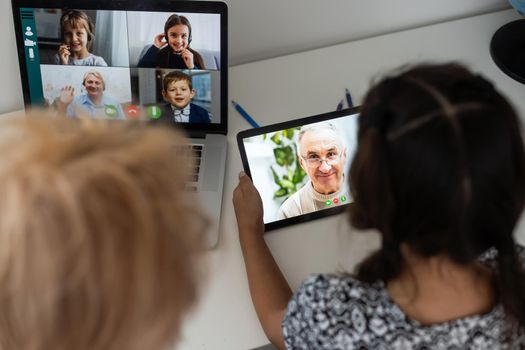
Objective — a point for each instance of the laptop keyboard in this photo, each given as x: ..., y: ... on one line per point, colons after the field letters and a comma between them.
x: 194, y: 153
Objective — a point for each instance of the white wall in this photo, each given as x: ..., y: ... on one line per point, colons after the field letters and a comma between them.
x: 262, y: 29
x: 11, y: 96
x: 269, y: 28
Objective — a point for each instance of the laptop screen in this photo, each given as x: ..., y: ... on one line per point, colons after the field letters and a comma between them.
x: 131, y: 61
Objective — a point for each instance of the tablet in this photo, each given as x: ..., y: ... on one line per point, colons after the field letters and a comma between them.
x: 300, y: 167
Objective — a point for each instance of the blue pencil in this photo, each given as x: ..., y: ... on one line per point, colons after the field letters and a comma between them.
x: 244, y: 114
x: 339, y: 106
x: 349, y: 98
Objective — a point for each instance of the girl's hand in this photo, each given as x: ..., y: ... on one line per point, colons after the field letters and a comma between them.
x: 187, y: 56
x: 248, y: 206
x: 157, y: 41
x: 64, y: 53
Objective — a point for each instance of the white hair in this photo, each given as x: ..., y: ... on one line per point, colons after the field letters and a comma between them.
x: 319, y: 126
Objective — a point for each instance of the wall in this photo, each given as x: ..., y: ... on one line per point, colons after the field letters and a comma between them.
x: 11, y: 97
x: 270, y: 28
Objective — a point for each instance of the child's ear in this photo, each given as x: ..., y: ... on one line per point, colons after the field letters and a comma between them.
x: 192, y: 93
x: 164, y: 94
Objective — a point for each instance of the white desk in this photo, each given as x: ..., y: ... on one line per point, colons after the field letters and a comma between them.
x: 301, y: 85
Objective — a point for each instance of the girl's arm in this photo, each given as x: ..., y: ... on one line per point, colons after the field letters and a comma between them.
x: 149, y: 59
x: 268, y: 288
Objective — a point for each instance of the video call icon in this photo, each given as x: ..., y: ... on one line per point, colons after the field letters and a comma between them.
x: 30, y: 43
x: 132, y: 111
x: 335, y: 201
x: 154, y: 112
x: 111, y: 111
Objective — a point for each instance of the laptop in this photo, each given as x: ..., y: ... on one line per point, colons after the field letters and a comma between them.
x: 161, y: 62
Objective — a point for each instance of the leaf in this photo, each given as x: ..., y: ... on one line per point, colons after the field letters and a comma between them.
x: 264, y: 137
x: 289, y: 133
x: 275, y: 176
x: 284, y: 155
x: 280, y: 155
x: 287, y: 184
x: 298, y: 176
x: 299, y: 173
x: 276, y: 139
x: 280, y: 193
x: 289, y: 155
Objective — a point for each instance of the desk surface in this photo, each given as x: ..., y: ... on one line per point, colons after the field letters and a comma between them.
x: 301, y: 85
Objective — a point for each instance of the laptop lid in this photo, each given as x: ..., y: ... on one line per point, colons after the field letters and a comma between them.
x: 158, y: 61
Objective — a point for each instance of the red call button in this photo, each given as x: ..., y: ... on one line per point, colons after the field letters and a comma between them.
x: 132, y: 111
x: 336, y: 200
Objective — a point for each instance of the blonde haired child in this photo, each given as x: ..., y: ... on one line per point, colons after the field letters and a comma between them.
x: 98, y: 246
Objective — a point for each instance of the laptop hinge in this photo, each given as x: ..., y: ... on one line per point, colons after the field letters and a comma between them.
x: 192, y: 134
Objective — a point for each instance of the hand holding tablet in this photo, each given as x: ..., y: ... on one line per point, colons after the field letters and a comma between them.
x: 300, y: 167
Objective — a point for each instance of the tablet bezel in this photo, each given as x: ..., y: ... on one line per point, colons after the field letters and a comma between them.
x: 286, y: 125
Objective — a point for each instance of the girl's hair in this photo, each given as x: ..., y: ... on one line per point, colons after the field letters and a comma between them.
x: 440, y: 166
x: 174, y: 20
x: 78, y: 19
x: 98, y: 245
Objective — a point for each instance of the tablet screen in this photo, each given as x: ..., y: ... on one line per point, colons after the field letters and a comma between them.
x: 301, y: 167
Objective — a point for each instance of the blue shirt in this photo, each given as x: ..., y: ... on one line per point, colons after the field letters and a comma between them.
x: 82, y: 106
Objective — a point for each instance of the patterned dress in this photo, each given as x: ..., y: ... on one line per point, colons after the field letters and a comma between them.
x: 339, y: 312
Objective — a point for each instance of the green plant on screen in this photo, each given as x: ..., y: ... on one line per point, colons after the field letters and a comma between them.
x: 287, y: 174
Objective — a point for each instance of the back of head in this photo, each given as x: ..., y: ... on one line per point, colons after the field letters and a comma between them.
x: 440, y: 167
x: 98, y: 245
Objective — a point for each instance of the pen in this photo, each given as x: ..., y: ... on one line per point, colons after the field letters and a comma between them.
x: 339, y: 106
x: 244, y: 114
x: 349, y: 98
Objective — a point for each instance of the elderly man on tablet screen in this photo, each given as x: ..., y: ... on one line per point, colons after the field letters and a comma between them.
x: 322, y: 154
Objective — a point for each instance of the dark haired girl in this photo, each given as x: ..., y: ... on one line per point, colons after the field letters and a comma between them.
x: 171, y: 49
x: 440, y: 173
